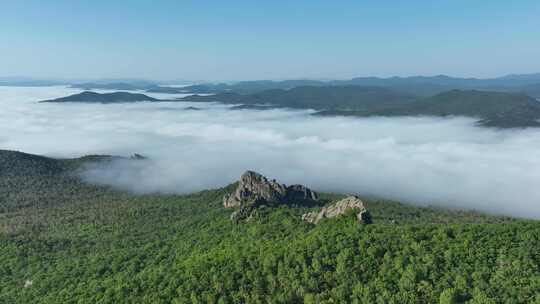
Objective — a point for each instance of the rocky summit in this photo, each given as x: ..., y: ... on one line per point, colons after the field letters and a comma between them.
x: 255, y: 190
x: 339, y: 208
x: 253, y: 186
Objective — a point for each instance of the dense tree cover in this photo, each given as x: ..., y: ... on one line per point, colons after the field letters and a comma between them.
x: 90, y: 244
x: 494, y: 109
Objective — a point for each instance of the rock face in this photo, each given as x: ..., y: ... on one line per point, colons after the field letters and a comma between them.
x: 255, y: 190
x: 339, y: 208
x: 254, y: 186
x: 300, y: 193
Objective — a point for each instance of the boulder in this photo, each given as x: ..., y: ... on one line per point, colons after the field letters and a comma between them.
x: 339, y: 208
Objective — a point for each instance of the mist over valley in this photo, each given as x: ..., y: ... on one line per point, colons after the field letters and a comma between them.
x: 448, y: 162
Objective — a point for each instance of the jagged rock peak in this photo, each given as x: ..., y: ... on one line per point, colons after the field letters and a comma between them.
x: 254, y: 186
x: 300, y: 193
x: 339, y: 208
x: 251, y: 186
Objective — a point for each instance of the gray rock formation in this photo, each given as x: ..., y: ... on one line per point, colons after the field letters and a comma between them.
x: 246, y: 211
x: 254, y: 186
x: 300, y: 193
x: 255, y: 190
x: 339, y: 208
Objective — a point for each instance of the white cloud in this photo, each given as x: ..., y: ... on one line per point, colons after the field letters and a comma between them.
x: 447, y: 162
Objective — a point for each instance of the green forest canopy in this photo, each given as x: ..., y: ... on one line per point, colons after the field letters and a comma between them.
x: 63, y: 241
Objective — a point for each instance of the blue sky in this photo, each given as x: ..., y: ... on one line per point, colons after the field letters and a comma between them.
x: 233, y: 40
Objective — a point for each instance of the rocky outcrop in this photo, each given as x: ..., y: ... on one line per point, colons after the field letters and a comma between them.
x: 255, y: 190
x: 254, y: 186
x: 339, y: 208
x: 300, y: 193
x: 246, y: 211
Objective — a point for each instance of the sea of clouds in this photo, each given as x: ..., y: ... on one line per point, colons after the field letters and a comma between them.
x: 428, y: 161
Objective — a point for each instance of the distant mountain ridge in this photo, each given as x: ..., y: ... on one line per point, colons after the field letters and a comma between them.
x: 415, y: 85
x: 494, y: 109
x: 92, y: 97
x: 420, y: 86
x: 110, y: 86
x: 313, y: 97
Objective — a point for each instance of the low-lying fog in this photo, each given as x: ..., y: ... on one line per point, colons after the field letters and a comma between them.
x: 430, y: 161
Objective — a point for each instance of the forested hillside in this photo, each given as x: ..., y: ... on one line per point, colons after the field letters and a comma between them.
x: 92, y: 97
x: 493, y: 109
x: 63, y: 241
x: 310, y: 97
x: 421, y: 86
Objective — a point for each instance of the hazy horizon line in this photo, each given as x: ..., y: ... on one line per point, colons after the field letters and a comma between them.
x: 156, y: 80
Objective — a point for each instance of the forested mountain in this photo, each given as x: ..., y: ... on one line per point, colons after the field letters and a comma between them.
x: 37, y: 181
x: 128, y: 86
x: 530, y: 89
x: 413, y: 85
x: 335, y: 97
x: 103, y: 98
x: 14, y: 163
x: 64, y: 241
x: 420, y: 86
x: 495, y: 109
x: 253, y: 86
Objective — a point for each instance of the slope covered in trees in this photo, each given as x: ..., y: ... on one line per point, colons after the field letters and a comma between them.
x: 92, y: 244
x: 493, y: 109
x: 422, y: 86
x: 496, y: 109
x: 88, y: 96
x: 336, y: 97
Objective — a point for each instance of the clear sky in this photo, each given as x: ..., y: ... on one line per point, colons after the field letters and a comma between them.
x: 234, y: 40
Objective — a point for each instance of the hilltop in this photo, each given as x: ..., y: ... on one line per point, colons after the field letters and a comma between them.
x: 93, y: 97
x: 420, y: 86
x: 28, y: 180
x: 13, y: 163
x: 335, y: 97
x: 494, y: 109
